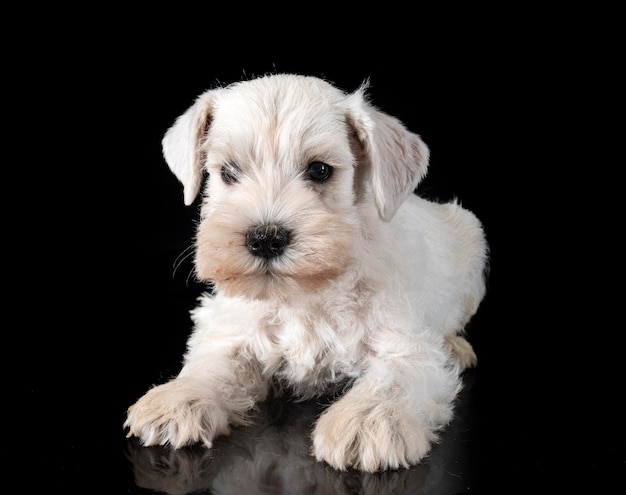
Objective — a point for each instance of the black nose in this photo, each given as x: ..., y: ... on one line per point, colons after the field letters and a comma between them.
x: 267, y: 241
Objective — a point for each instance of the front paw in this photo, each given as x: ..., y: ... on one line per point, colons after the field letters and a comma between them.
x: 370, y: 436
x: 177, y: 413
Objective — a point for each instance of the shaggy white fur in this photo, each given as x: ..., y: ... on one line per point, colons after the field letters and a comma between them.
x: 328, y: 271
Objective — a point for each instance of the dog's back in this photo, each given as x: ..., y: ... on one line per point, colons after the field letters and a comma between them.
x: 447, y: 244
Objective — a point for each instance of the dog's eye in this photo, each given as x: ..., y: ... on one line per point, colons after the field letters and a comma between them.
x: 230, y: 173
x: 319, y: 171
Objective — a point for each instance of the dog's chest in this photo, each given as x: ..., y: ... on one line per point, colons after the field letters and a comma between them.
x: 314, y: 350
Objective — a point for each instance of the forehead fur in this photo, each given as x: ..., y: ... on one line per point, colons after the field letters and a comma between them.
x: 277, y: 117
x: 279, y: 94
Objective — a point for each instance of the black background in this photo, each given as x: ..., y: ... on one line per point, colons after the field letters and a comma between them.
x: 106, y: 223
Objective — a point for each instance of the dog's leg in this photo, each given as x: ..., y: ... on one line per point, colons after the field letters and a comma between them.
x: 390, y: 417
x: 214, y: 390
x: 463, y: 351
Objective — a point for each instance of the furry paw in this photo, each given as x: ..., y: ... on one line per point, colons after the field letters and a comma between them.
x: 370, y: 436
x: 463, y: 351
x: 177, y: 413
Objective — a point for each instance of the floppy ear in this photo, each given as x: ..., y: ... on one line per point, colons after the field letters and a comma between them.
x: 396, y: 158
x: 182, y: 144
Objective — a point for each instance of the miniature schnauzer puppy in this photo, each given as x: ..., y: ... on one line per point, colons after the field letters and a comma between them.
x: 326, y: 270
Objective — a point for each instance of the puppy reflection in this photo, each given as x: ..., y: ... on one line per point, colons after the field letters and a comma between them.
x: 272, y: 456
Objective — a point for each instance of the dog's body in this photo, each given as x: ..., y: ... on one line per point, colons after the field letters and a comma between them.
x: 327, y: 269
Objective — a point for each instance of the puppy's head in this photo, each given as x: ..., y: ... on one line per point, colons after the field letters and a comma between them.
x: 292, y: 163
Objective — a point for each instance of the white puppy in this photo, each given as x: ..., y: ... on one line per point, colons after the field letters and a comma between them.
x: 328, y: 274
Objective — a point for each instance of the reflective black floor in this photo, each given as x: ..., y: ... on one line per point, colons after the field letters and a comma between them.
x: 98, y: 313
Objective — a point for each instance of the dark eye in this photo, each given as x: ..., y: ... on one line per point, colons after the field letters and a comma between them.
x: 319, y: 171
x: 230, y: 173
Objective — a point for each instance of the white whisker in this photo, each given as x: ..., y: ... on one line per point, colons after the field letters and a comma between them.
x: 186, y: 253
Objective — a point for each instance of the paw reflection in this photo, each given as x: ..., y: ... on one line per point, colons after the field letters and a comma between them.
x: 273, y: 456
